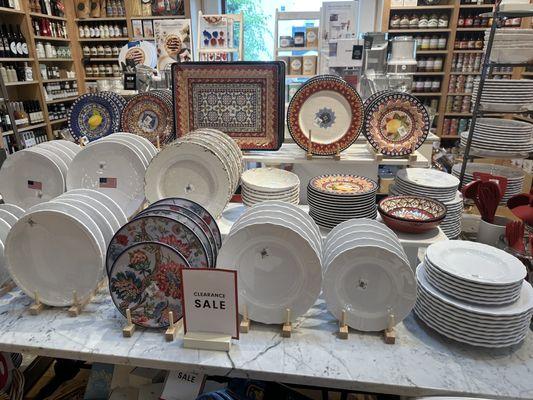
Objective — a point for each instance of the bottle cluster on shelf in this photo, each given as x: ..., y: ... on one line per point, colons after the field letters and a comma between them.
x: 57, y: 111
x: 33, y: 137
x: 13, y: 4
x: 55, y: 72
x: 60, y: 90
x: 48, y: 28
x: 115, y: 8
x: 454, y: 126
x: 461, y: 84
x: 421, y: 85
x: 101, y: 51
x: 469, y: 62
x: 102, y: 71
x: 16, y: 73
x: 473, y: 19
x: 49, y: 7
x: 12, y: 43
x: 469, y: 41
x: 102, y: 30
x: 458, y: 104
x: 431, y: 42
x: 418, y: 20
x: 48, y: 50
x: 429, y: 64
x: 27, y: 112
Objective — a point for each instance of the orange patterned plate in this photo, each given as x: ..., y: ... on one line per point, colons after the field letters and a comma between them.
x: 343, y: 185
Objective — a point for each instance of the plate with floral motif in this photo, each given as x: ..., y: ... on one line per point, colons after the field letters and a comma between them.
x: 396, y: 124
x: 331, y: 110
x: 146, y: 278
x: 343, y: 185
x: 162, y: 229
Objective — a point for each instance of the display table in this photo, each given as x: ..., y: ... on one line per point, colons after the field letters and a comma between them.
x: 421, y: 361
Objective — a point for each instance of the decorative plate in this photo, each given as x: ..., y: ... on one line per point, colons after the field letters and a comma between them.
x: 149, y: 116
x: 343, y: 185
x: 159, y: 229
x: 145, y: 278
x: 246, y: 100
x: 396, y: 124
x: 368, y: 102
x: 412, y: 214
x: 93, y: 115
x: 331, y: 109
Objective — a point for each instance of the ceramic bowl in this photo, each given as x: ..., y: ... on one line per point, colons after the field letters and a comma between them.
x: 411, y: 214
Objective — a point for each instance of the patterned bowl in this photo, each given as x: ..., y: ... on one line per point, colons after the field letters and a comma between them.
x: 411, y: 214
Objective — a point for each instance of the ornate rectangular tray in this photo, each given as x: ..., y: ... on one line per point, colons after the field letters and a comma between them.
x: 246, y: 100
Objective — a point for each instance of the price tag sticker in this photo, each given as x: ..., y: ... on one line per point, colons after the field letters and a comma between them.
x: 210, y: 302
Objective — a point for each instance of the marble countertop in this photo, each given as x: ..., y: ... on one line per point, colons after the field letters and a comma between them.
x: 420, y: 363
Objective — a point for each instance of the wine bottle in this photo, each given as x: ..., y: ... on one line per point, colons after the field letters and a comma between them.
x: 12, y: 43
x: 23, y: 45
x: 7, y: 51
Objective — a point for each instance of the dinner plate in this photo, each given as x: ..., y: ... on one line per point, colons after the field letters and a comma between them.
x: 61, y: 152
x: 63, y: 166
x: 13, y: 209
x: 4, y: 273
x: 269, y: 180
x: 106, y: 212
x: 146, y: 279
x: 40, y: 265
x: 68, y: 146
x: 343, y: 185
x: 107, y: 201
x: 8, y: 217
x: 5, y: 227
x: 428, y: 178
x: 134, y: 146
x: 149, y: 148
x: 294, y: 198
x: 231, y: 145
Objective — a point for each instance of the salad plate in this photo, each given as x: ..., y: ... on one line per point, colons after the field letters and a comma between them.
x: 133, y: 145
x: 91, y: 201
x: 13, y: 209
x: 8, y: 217
x: 149, y: 149
x: 64, y: 154
x: 107, y: 201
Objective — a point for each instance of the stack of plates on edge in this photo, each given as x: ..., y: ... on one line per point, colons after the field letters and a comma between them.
x: 366, y: 273
x: 37, y: 174
x: 9, y: 214
x: 336, y: 198
x: 276, y: 249
x: 169, y: 235
x: 263, y: 184
x: 95, y: 115
x: 515, y: 176
x: 114, y: 165
x: 474, y: 293
x: 204, y: 166
x: 511, y: 45
x: 59, y: 246
x: 150, y: 115
x: 439, y: 186
x: 501, y: 135
x: 505, y: 95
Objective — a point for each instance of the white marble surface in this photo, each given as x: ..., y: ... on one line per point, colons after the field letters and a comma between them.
x: 422, y: 362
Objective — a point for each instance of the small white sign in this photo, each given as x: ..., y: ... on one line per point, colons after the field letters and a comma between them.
x: 183, y: 384
x: 210, y: 301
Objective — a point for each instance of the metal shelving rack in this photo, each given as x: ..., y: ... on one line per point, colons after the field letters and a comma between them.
x: 486, y: 70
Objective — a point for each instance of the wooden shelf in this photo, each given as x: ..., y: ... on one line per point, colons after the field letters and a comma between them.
x: 59, y: 80
x: 428, y: 73
x: 442, y: 30
x: 22, y: 83
x: 26, y: 128
x: 468, y: 51
x: 55, y: 60
x: 159, y: 17
x: 219, y: 50
x: 427, y: 94
x: 9, y: 59
x: 113, y: 39
x: 52, y: 39
x: 6, y: 10
x: 280, y: 49
x: 431, y: 52
x: 476, y: 5
x: 450, y: 137
x: 464, y: 73
x: 457, y: 114
x: 39, y: 15
x: 101, y: 78
x: 460, y: 29
x: 91, y: 59
x: 425, y: 8
x: 100, y: 19
x: 58, y: 121
x: 65, y: 99
x: 459, y: 94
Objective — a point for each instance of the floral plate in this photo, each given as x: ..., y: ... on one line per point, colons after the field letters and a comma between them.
x: 331, y: 110
x: 146, y: 278
x: 158, y: 228
x: 396, y: 124
x: 343, y: 185
x: 411, y: 214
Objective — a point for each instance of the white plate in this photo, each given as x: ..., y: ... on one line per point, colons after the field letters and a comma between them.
x: 114, y: 161
x: 13, y: 209
x: 270, y: 179
x: 277, y: 269
x: 428, y: 178
x: 8, y: 217
x: 63, y: 166
x: 66, y: 155
x: 266, y: 195
x: 5, y: 227
x: 108, y: 215
x: 370, y: 283
x: 4, y: 274
x: 290, y: 197
x: 107, y: 201
x: 189, y: 171
x: 127, y: 142
x: 68, y: 145
x: 24, y: 166
x: 150, y: 149
x: 231, y: 144
x: 476, y: 262
x: 54, y: 268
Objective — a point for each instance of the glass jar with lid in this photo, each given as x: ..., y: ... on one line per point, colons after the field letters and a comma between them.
x: 433, y: 21
x: 395, y: 21
x: 413, y: 21
x: 423, y: 21
x: 434, y: 42
x: 443, y: 21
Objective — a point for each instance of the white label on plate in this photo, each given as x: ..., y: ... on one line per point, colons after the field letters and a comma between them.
x: 210, y: 301
x: 108, y: 183
x: 182, y: 384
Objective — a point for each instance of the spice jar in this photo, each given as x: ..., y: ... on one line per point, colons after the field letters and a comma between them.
x: 443, y: 21
x: 435, y: 85
x: 421, y: 64
x: 94, y: 51
x: 88, y: 71
x: 434, y: 42
x: 430, y: 64
x: 404, y: 21
x: 442, y: 43
x: 433, y: 21
x: 427, y: 85
x: 420, y: 86
x: 438, y: 64
x: 423, y: 21
x: 86, y: 51
x: 101, y: 51
x: 413, y: 21
x: 425, y: 43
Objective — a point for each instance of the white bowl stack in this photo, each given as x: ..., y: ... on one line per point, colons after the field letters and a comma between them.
x: 439, y: 186
x: 59, y: 246
x: 474, y: 293
x: 367, y: 274
x: 511, y: 45
x: 515, y: 176
x: 276, y: 248
x: 37, y: 174
x: 264, y: 184
x: 9, y: 215
x: 114, y: 165
x: 505, y: 95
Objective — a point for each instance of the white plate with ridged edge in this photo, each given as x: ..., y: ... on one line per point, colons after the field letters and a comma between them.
x: 111, y: 204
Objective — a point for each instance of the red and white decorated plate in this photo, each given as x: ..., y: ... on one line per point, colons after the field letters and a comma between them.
x: 331, y: 110
x: 396, y: 124
x: 343, y: 185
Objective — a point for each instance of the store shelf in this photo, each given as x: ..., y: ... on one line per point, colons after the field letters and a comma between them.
x: 58, y: 121
x: 160, y: 17
x: 55, y: 60
x: 39, y: 15
x: 419, y: 30
x: 459, y: 94
x: 472, y: 29
x: 450, y: 137
x: 9, y: 59
x: 464, y: 73
x: 477, y: 6
x: 281, y: 49
x: 457, y: 114
x: 468, y: 51
x: 425, y: 8
x: 26, y: 128
x: 428, y: 73
x: 23, y: 83
x: 432, y: 52
x: 101, y: 78
x: 100, y: 19
x: 219, y: 50
x: 6, y: 10
x: 63, y: 100
x: 427, y: 94
x: 59, y: 80
x: 111, y: 39
x: 102, y: 59
x: 52, y: 39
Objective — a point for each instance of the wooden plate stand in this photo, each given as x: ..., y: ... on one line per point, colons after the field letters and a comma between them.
x: 309, y: 154
x: 129, y: 329
x: 286, y: 328
x: 378, y: 157
x: 389, y: 334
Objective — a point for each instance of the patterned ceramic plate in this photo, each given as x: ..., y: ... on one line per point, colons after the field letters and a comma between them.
x: 343, y: 185
x: 198, y: 210
x: 331, y: 109
x: 150, y: 116
x: 93, y: 115
x: 146, y: 278
x: 160, y: 229
x: 368, y: 102
x: 396, y: 124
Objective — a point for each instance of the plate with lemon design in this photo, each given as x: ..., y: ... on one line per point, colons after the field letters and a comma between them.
x: 396, y: 124
x: 94, y: 115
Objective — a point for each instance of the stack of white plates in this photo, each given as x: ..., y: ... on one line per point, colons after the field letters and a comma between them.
x: 505, y: 95
x: 276, y: 249
x: 59, y: 246
x: 366, y: 273
x: 514, y: 176
x: 474, y: 293
x: 263, y: 184
x: 439, y: 186
x: 114, y: 165
x: 36, y: 174
x: 511, y: 45
x: 336, y: 198
x: 9, y: 214
x: 204, y: 166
